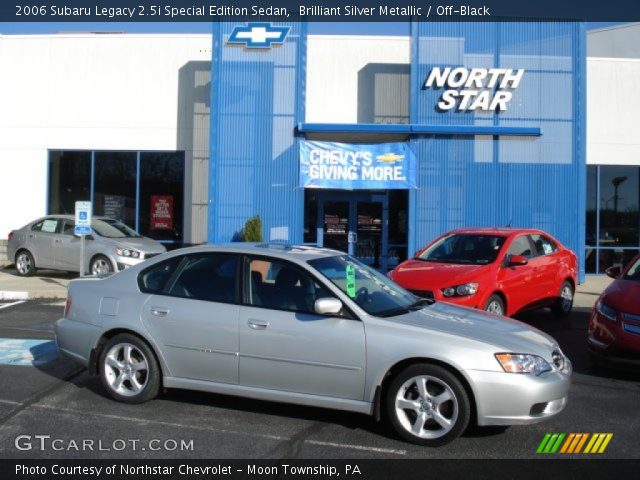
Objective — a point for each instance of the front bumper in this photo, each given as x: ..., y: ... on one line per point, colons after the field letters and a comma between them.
x: 517, y: 399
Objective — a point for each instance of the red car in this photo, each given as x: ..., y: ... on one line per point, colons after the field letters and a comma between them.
x: 501, y: 270
x: 614, y: 325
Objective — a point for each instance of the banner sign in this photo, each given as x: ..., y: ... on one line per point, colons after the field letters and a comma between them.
x: 346, y: 166
x: 161, y: 212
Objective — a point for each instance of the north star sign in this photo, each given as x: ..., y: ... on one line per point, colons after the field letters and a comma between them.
x: 469, y: 89
x: 258, y: 35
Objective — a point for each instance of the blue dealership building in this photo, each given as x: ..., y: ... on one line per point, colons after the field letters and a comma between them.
x: 484, y: 126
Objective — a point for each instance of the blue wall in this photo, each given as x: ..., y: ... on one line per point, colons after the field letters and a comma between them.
x: 257, y: 98
x: 495, y: 180
x: 463, y: 180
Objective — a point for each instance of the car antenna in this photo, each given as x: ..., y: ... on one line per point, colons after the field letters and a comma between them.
x: 508, y: 225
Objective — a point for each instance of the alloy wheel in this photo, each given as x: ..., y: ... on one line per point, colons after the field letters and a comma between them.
x: 495, y: 308
x: 566, y: 298
x: 100, y: 266
x: 426, y: 407
x: 126, y: 369
x: 23, y: 264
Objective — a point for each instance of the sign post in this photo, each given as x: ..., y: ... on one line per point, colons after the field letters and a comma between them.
x: 82, y: 228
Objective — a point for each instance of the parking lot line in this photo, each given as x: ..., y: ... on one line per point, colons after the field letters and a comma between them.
x: 7, y: 305
x: 9, y: 402
x: 217, y: 430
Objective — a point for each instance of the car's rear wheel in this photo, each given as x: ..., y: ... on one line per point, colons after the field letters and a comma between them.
x: 495, y: 305
x: 129, y: 370
x: 564, y: 303
x: 25, y: 264
x: 100, y: 265
x: 427, y: 405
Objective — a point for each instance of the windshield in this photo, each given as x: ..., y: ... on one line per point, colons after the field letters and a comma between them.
x: 634, y: 271
x: 113, y: 229
x: 372, y: 291
x: 464, y: 248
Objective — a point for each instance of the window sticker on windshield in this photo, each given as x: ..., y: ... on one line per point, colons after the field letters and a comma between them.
x: 350, y: 274
x: 49, y: 226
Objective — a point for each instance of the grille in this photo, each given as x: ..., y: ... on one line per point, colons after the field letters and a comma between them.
x: 628, y: 327
x: 558, y: 359
x: 423, y: 294
x: 629, y: 316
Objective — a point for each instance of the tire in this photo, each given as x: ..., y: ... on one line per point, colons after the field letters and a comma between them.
x: 495, y: 305
x: 422, y: 418
x: 128, y: 369
x: 25, y: 264
x: 564, y: 303
x: 100, y: 265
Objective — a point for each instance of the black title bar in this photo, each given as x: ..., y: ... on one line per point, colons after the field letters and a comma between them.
x: 320, y: 10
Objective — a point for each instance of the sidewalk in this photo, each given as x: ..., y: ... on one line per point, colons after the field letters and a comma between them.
x: 45, y: 284
x: 52, y: 284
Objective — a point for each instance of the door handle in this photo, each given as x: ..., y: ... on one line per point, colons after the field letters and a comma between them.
x: 257, y: 324
x: 159, y: 311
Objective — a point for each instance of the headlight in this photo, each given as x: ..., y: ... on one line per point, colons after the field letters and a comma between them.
x: 523, y: 363
x: 461, y: 290
x: 125, y: 252
x: 606, y: 311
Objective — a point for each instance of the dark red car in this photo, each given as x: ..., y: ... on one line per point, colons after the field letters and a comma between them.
x: 614, y: 325
x: 501, y: 270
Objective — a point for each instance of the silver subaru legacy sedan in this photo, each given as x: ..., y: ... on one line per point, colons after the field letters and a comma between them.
x: 50, y: 243
x: 314, y: 327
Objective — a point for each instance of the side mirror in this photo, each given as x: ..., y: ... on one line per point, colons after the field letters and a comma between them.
x: 614, y: 272
x: 327, y: 306
x: 517, y: 260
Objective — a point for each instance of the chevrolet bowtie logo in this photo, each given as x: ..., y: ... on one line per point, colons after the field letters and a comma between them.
x: 258, y: 35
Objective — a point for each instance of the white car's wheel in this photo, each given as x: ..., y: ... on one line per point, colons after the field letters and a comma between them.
x: 100, y: 265
x: 25, y: 265
x: 128, y: 369
x: 427, y: 404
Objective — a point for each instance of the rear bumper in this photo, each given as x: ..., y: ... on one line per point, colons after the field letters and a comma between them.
x: 75, y: 339
x: 518, y: 399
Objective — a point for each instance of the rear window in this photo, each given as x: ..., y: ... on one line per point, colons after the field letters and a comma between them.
x: 155, y: 278
x: 209, y: 277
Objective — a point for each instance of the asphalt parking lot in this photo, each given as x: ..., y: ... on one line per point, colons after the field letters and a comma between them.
x: 42, y: 394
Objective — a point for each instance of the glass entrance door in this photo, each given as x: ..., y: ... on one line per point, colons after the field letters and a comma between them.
x: 355, y: 223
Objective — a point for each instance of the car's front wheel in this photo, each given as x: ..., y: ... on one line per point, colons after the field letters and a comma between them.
x: 100, y: 265
x: 427, y: 405
x: 495, y: 305
x: 129, y: 370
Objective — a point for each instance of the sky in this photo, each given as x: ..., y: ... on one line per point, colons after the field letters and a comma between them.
x: 327, y: 28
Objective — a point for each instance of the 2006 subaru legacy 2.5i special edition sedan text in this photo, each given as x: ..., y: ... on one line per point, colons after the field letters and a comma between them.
x: 314, y: 327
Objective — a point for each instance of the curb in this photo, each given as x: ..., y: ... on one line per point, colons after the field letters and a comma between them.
x: 10, y: 295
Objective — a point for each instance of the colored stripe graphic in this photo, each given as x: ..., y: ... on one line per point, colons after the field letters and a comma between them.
x: 573, y: 443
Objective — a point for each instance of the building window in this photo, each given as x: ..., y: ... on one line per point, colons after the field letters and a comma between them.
x: 145, y: 190
x: 69, y: 180
x: 161, y: 195
x: 613, y: 216
x: 114, y: 193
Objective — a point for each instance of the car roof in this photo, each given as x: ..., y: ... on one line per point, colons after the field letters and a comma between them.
x: 286, y: 251
x: 501, y: 231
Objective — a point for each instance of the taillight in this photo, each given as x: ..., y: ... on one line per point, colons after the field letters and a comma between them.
x: 10, y: 235
x: 67, y: 306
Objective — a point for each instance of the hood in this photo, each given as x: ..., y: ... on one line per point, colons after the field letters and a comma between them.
x: 505, y: 334
x: 143, y: 244
x: 420, y: 275
x: 623, y: 295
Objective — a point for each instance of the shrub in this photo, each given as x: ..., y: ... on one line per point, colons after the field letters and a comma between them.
x: 252, y: 231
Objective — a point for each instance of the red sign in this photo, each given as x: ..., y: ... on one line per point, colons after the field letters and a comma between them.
x: 161, y: 212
